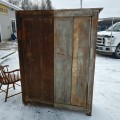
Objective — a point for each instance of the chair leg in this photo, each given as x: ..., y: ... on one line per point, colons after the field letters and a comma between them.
x: 0, y: 88
x: 7, y: 93
x: 13, y: 85
x: 0, y: 85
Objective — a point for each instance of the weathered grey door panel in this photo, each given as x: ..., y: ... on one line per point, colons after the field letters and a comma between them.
x: 81, y: 53
x: 63, y: 59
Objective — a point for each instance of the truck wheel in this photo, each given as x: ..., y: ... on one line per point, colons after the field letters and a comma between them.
x: 117, y: 52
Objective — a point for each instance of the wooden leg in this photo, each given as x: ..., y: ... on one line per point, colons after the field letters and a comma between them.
x: 0, y: 85
x: 13, y: 85
x: 89, y: 112
x: 7, y: 93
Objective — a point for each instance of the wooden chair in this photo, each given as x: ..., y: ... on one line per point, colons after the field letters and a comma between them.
x: 7, y: 78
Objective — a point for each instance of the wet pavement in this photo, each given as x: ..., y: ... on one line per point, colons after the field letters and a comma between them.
x: 8, y: 45
x: 8, y: 49
x: 106, y: 95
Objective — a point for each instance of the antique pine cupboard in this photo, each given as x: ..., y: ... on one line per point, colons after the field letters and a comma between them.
x: 57, y: 56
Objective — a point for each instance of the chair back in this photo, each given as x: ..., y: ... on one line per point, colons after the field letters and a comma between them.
x: 9, y: 77
x: 3, y: 77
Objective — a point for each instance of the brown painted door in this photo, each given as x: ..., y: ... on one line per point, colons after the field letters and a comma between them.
x: 36, y: 49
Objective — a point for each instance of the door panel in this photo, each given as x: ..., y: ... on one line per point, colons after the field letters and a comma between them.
x: 38, y: 57
x: 63, y: 60
x: 81, y: 53
x: 47, y: 83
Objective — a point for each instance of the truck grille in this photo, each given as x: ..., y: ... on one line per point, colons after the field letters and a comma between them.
x: 100, y: 41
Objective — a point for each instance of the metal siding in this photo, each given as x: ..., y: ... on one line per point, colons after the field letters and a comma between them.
x: 5, y: 21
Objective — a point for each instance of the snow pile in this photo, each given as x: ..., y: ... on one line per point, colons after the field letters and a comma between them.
x: 106, y: 100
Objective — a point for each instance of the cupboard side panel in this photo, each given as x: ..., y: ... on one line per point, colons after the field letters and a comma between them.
x: 94, y: 22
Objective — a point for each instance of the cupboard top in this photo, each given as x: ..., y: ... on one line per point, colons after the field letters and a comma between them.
x: 60, y: 12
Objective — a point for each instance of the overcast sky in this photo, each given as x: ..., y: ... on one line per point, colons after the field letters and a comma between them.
x: 111, y: 7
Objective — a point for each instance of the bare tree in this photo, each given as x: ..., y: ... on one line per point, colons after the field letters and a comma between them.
x: 43, y: 5
x: 35, y: 7
x: 36, y: 4
x: 30, y: 5
x: 10, y: 1
x: 23, y: 5
x: 14, y: 2
x: 48, y: 5
x: 26, y: 4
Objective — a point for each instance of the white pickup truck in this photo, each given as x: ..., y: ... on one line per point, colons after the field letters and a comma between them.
x: 108, y: 41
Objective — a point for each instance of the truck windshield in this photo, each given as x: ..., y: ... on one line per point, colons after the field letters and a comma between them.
x: 115, y: 27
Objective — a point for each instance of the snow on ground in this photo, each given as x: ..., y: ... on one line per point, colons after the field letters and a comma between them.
x: 106, y: 99
x: 11, y: 60
x: 107, y: 86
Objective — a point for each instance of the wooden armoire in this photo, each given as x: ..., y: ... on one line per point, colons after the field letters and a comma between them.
x: 57, y: 56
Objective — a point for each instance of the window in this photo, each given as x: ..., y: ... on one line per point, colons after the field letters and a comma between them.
x: 0, y: 34
x: 13, y: 26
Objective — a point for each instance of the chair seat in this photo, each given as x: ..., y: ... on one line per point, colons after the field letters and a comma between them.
x: 7, y: 78
x: 12, y: 79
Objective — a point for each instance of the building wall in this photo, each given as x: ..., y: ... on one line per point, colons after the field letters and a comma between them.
x: 5, y: 22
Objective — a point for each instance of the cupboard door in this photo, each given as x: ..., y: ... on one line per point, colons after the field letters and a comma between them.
x: 36, y: 50
x: 63, y: 59
x: 80, y: 65
x: 32, y: 58
x: 47, y: 83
